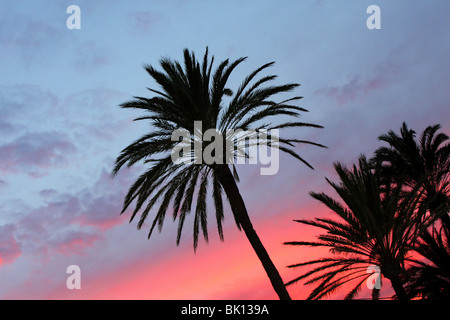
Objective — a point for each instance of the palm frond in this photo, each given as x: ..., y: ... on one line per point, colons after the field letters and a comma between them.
x: 189, y: 91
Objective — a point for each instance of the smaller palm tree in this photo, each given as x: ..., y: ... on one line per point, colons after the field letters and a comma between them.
x: 430, y: 277
x: 425, y: 162
x: 374, y: 227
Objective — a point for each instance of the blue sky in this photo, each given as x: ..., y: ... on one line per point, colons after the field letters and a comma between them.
x: 61, y: 127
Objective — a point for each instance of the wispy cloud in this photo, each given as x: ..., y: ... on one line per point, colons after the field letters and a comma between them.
x: 10, y: 249
x: 26, y: 107
x: 142, y: 23
x: 91, y: 56
x: 358, y: 86
x: 355, y: 88
x: 30, y: 39
x: 35, y: 154
x: 68, y: 223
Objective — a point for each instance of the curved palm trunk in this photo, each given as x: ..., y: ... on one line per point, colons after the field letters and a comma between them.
x: 240, y: 213
x: 398, y: 288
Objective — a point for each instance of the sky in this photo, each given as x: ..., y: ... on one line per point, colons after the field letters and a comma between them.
x: 61, y: 129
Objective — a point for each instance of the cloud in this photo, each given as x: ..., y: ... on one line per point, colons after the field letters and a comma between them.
x: 46, y: 193
x: 95, y: 113
x: 5, y: 127
x: 24, y: 104
x: 32, y: 107
x: 141, y: 23
x: 73, y: 241
x: 102, y: 204
x: 356, y: 88
x: 80, y: 123
x: 90, y: 56
x: 30, y: 39
x: 10, y: 249
x: 70, y: 223
x: 35, y: 153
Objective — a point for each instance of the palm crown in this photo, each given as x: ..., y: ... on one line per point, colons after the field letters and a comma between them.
x: 425, y: 162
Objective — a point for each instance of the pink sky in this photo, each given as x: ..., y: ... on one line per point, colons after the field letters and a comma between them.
x: 228, y: 270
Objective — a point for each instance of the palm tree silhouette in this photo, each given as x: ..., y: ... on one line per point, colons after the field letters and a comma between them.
x: 426, y: 162
x: 429, y: 278
x: 376, y: 226
x: 193, y: 94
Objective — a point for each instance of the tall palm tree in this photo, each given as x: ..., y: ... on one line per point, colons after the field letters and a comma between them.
x: 425, y: 162
x: 374, y: 226
x: 189, y: 94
